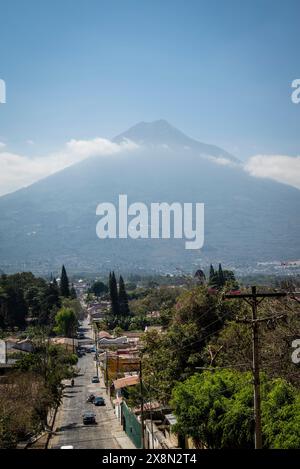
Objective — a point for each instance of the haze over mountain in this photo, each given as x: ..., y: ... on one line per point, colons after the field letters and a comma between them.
x: 160, y: 132
x: 54, y: 220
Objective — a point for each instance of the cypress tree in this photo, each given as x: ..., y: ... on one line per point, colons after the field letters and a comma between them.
x: 211, y: 274
x: 64, y: 283
x: 113, y: 292
x: 123, y: 298
x: 221, y: 278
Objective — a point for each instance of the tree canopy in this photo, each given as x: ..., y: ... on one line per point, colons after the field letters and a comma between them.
x: 64, y: 283
x: 66, y: 322
x: 216, y: 410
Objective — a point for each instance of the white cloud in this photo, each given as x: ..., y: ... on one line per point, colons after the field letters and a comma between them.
x: 2, y: 145
x: 222, y: 161
x: 99, y: 146
x: 19, y: 171
x: 281, y: 168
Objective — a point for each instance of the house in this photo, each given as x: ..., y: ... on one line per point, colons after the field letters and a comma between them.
x: 159, y: 329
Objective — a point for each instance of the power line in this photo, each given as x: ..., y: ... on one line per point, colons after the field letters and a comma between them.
x: 254, y: 299
x: 208, y: 335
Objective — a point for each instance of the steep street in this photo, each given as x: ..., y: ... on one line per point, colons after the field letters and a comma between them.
x: 68, y: 426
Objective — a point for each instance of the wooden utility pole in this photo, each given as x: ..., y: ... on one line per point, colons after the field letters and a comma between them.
x: 255, y: 366
x: 106, y: 370
x: 96, y: 350
x: 142, y: 407
x: 254, y: 299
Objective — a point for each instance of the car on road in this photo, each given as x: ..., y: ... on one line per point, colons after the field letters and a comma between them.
x: 99, y: 401
x: 95, y: 379
x: 89, y: 418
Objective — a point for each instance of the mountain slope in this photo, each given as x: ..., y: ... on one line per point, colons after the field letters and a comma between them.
x: 54, y: 221
x: 160, y: 132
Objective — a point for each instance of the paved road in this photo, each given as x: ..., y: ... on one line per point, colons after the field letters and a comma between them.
x: 69, y: 429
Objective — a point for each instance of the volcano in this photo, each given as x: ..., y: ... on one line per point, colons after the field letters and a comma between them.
x: 54, y: 220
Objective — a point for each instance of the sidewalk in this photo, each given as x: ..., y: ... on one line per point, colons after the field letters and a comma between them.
x: 118, y: 433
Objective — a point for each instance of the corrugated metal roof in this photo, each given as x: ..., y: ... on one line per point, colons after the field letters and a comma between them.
x: 171, y: 419
x: 127, y: 381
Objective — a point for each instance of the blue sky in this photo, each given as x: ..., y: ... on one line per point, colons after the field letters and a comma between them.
x: 220, y: 71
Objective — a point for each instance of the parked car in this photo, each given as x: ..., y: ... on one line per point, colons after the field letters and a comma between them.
x: 95, y: 379
x: 99, y: 401
x: 89, y: 418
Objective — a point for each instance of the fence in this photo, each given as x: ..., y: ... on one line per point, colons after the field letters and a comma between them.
x: 131, y: 426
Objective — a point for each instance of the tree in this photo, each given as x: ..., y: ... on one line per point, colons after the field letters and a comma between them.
x: 216, y: 410
x: 33, y: 299
x: 73, y: 294
x: 98, y: 288
x: 123, y: 299
x: 221, y: 279
x: 171, y: 357
x: 281, y: 416
x: 51, y: 299
x: 114, y: 297
x: 74, y: 305
x: 50, y: 364
x: 211, y: 274
x: 23, y: 295
x: 66, y: 322
x: 18, y: 401
x: 3, y: 307
x: 17, y: 307
x: 235, y: 340
x: 64, y: 283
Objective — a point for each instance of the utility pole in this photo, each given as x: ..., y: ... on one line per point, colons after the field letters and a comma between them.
x: 117, y: 366
x: 96, y: 349
x: 106, y: 370
x: 151, y: 417
x: 254, y: 299
x: 255, y: 366
x: 142, y: 407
